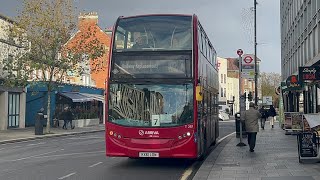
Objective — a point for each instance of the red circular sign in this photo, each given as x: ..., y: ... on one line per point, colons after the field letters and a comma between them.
x: 248, y: 59
x: 239, y: 52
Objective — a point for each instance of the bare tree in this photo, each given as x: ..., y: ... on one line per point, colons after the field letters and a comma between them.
x: 269, y: 82
x: 48, y: 25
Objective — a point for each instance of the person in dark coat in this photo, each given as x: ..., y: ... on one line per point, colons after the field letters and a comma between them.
x: 264, y: 116
x: 272, y: 113
x: 251, y: 119
x: 67, y: 117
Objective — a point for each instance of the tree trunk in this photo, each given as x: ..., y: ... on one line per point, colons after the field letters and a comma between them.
x: 48, y: 111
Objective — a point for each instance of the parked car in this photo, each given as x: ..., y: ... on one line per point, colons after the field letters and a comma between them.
x: 223, y: 116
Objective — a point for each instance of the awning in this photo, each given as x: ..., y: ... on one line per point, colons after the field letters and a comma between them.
x: 313, y: 119
x: 96, y: 97
x: 76, y: 97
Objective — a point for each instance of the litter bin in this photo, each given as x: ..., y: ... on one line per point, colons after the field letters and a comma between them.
x: 237, y: 121
x: 39, y: 124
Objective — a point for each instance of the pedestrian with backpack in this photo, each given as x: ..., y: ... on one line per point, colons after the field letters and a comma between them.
x: 264, y: 116
x: 272, y: 113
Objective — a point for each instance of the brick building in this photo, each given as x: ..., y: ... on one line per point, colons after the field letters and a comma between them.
x: 96, y: 74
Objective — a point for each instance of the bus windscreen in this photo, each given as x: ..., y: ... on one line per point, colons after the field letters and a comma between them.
x: 153, y: 33
x: 150, y: 105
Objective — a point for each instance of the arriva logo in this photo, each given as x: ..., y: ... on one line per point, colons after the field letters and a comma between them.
x: 142, y: 132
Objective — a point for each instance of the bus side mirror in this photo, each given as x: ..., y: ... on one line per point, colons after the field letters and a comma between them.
x: 199, y: 96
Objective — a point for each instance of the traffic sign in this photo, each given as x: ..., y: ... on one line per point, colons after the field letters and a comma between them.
x: 247, y: 68
x: 239, y: 52
x: 267, y: 100
x: 247, y: 59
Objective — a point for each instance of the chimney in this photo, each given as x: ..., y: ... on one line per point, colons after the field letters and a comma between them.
x: 87, y: 19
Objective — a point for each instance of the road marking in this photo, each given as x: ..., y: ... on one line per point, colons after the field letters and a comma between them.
x: 87, y: 138
x: 35, y: 156
x: 93, y: 165
x: 63, y: 177
x: 17, y: 146
x: 70, y: 154
x: 2, y: 149
x: 226, y: 137
x: 189, y: 171
x: 36, y: 144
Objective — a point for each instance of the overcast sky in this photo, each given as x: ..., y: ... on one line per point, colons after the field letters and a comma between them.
x: 228, y: 23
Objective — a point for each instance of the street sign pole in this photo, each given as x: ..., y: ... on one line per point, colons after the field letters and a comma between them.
x: 240, y: 99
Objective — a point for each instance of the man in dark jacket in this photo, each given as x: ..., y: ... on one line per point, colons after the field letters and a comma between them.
x: 264, y: 116
x: 251, y: 118
x: 67, y: 117
x: 272, y: 113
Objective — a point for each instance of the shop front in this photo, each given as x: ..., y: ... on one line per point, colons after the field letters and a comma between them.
x: 86, y: 108
x: 86, y: 103
x: 309, y: 77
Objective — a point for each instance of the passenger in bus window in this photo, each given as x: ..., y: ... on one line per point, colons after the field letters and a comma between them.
x: 140, y: 43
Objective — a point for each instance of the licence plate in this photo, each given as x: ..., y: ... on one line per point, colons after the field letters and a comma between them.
x: 148, y: 154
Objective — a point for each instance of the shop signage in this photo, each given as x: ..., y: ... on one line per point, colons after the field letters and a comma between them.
x: 311, y: 73
x: 292, y: 82
x: 307, y: 144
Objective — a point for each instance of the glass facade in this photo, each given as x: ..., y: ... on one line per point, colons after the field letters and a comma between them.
x: 299, y: 34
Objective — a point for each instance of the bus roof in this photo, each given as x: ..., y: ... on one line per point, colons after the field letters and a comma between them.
x: 125, y: 17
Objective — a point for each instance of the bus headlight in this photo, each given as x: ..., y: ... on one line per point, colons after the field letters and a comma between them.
x: 188, y: 134
x: 111, y: 133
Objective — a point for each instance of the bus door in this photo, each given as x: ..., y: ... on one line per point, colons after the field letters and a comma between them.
x: 204, y: 122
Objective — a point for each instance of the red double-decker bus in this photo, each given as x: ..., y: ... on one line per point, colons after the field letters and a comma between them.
x: 162, y: 90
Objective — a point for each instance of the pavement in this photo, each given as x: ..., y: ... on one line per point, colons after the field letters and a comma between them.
x: 275, y: 158
x: 24, y: 134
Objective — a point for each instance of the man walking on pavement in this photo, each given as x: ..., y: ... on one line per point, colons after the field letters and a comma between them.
x: 264, y: 116
x: 251, y: 118
x: 67, y: 118
x: 272, y: 113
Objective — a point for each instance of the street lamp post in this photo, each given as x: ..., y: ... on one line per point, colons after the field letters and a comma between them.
x: 255, y: 55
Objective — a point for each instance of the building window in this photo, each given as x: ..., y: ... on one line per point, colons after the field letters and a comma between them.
x: 225, y: 78
x: 318, y: 37
x: 225, y: 92
x: 221, y: 78
x: 316, y: 34
x: 310, y: 48
x: 13, y: 110
x: 221, y: 91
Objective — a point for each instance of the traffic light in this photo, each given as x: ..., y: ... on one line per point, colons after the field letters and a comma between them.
x: 250, y: 96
